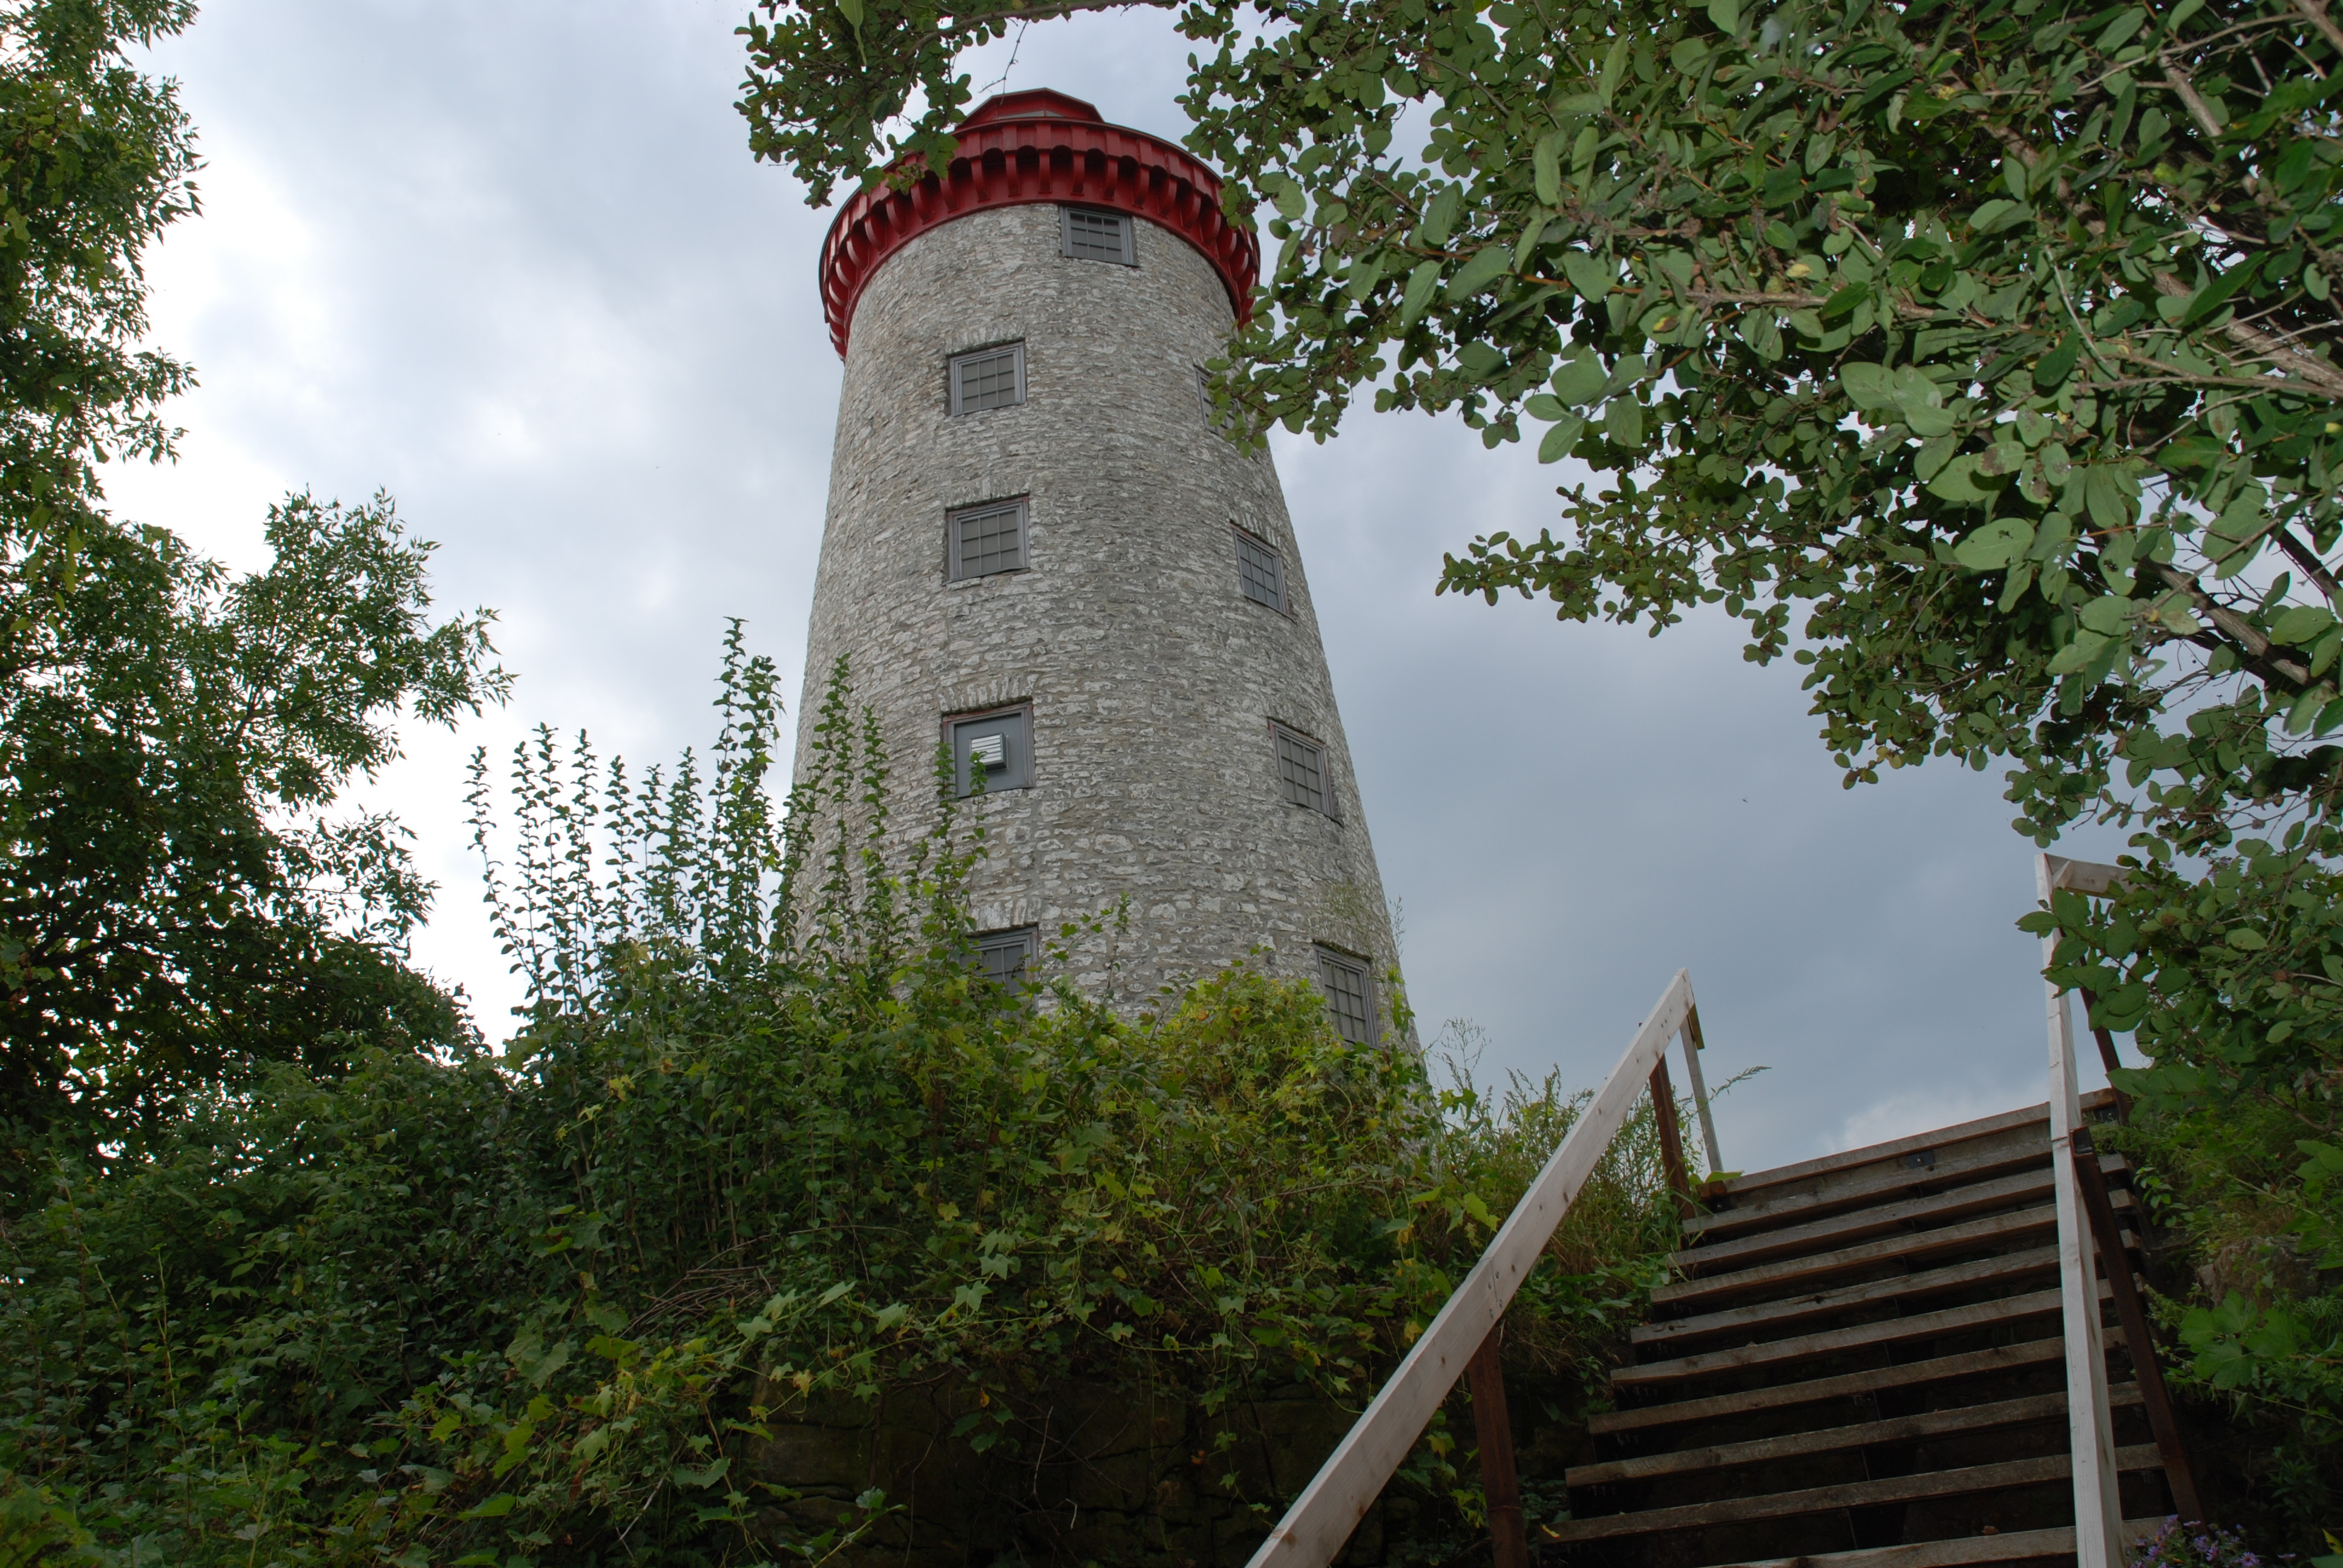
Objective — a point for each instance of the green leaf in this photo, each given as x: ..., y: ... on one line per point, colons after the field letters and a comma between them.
x: 495, y: 1507
x: 1996, y: 545
x: 1727, y: 15
x: 1623, y: 421
x: 2050, y: 371
x: 2086, y: 647
x: 1440, y: 217
x: 1287, y: 193
x: 1421, y: 285
x: 1545, y: 159
x: 1613, y: 63
x: 1958, y: 482
x: 1561, y: 439
x: 2302, y: 625
x: 1591, y: 276
x: 2109, y: 615
x: 1476, y: 275
x: 1995, y: 215
x: 2245, y: 939
x: 1580, y: 381
x: 1867, y: 386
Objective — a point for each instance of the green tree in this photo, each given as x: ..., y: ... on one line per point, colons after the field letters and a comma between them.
x: 96, y: 160
x: 178, y: 898
x: 1979, y: 354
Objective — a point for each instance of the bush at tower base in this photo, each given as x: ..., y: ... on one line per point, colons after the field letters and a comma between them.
x: 766, y: 1150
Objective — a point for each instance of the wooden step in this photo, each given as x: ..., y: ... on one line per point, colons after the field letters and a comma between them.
x: 2028, y: 1187
x: 2015, y: 1546
x: 1830, y: 1499
x: 1887, y: 1331
x: 1895, y: 1148
x: 1822, y: 1303
x: 1867, y: 1187
x: 2024, y: 1225
x: 1832, y: 1439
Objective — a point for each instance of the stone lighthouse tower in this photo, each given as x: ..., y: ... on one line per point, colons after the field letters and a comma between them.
x: 1039, y: 553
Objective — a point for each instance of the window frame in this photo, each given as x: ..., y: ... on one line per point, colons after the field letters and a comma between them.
x: 1027, y: 938
x: 1242, y: 537
x: 963, y: 774
x: 1129, y: 230
x: 955, y: 516
x: 1333, y: 959
x: 955, y: 396
x: 1281, y: 735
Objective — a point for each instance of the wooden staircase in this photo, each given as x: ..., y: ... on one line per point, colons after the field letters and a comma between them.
x: 1861, y: 1366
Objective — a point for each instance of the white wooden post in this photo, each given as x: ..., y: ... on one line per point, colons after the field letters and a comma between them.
x: 1691, y: 1049
x: 2098, y: 1510
x: 1330, y: 1508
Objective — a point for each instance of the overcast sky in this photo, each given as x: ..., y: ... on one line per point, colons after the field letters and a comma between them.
x: 514, y: 265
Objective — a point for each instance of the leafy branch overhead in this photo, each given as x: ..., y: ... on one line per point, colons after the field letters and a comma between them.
x: 1999, y: 335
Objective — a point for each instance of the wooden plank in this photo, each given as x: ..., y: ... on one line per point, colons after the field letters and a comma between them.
x: 1831, y: 1499
x: 2098, y: 1513
x: 2026, y: 1187
x: 1840, y: 1385
x: 2023, y: 1224
x: 1871, y: 1153
x: 2179, y: 1475
x: 1767, y: 1314
x: 1833, y: 1439
x: 1827, y: 1440
x: 1894, y: 1148
x: 1693, y: 1046
x: 2011, y: 1546
x: 1493, y: 1433
x: 2092, y: 879
x: 1867, y: 1187
x: 1323, y: 1518
x: 1888, y: 1331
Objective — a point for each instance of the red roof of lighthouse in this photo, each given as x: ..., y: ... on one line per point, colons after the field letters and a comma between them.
x: 1019, y: 149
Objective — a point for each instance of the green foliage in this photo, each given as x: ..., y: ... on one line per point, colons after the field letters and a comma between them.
x: 94, y: 161
x: 177, y: 900
x: 2233, y: 982
x: 1985, y: 348
x: 766, y: 1137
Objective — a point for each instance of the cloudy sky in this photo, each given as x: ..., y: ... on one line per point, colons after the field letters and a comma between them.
x: 513, y: 264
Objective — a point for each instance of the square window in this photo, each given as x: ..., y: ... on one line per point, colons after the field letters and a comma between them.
x: 999, y: 744
x: 1349, y: 995
x: 1088, y: 234
x: 1302, y: 777
x: 981, y: 540
x: 1005, y: 959
x: 1222, y: 423
x: 988, y: 378
x: 1260, y: 571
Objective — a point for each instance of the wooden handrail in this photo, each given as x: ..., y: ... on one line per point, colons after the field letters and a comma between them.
x: 2090, y: 1427
x: 2171, y: 1443
x: 1322, y: 1519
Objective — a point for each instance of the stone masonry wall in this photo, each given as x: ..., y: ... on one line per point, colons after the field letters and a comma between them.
x: 1153, y: 678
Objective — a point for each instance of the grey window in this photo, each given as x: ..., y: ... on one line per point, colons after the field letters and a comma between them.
x: 1000, y: 743
x: 1302, y: 776
x: 1214, y: 419
x: 982, y: 540
x: 1349, y: 995
x: 1260, y: 571
x: 1090, y: 235
x: 1005, y: 959
x: 988, y: 378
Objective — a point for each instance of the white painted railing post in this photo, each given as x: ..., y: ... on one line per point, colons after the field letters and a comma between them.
x: 2098, y: 1510
x: 1691, y: 1049
x: 1330, y: 1508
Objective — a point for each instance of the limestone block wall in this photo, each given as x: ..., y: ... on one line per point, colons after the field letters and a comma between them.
x: 1154, y: 681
